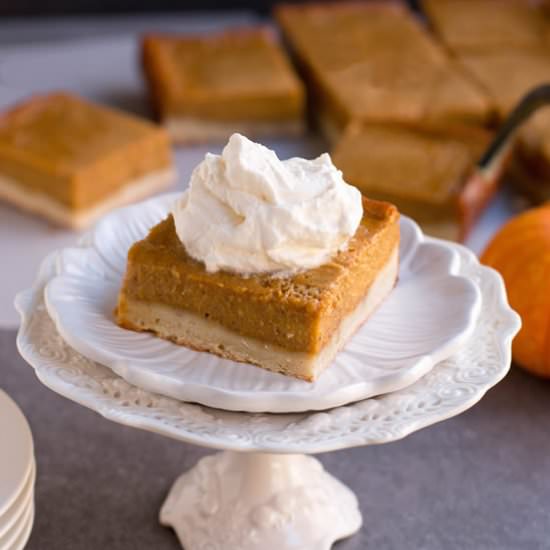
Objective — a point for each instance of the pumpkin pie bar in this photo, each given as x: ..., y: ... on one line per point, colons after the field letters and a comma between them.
x: 71, y: 161
x: 206, y: 87
x: 429, y: 173
x: 294, y: 325
x: 373, y: 61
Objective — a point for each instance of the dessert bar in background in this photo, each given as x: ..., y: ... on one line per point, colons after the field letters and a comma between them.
x: 374, y: 61
x: 426, y: 172
x: 71, y: 161
x: 205, y: 87
x: 505, y: 46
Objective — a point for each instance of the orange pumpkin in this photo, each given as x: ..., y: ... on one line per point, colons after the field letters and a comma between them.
x: 520, y: 251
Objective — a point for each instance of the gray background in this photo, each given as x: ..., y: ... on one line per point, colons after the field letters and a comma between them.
x: 478, y: 481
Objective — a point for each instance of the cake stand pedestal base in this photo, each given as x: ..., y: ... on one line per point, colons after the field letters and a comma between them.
x: 254, y: 501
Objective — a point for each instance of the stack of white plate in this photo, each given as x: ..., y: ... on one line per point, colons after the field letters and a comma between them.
x: 17, y: 476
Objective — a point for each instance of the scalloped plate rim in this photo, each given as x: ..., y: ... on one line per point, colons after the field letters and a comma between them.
x: 26, y: 305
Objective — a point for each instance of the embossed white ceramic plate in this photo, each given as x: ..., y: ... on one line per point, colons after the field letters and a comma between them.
x: 451, y: 387
x: 429, y: 315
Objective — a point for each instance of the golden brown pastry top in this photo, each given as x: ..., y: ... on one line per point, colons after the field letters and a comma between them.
x: 193, y: 73
x: 62, y: 133
x: 374, y: 61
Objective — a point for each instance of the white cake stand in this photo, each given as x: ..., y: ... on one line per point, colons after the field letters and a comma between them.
x: 263, y: 492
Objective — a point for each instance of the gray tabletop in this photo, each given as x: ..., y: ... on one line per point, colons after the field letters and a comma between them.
x: 478, y: 481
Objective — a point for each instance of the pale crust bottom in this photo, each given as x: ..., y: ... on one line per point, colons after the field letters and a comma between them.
x: 184, y: 130
x: 193, y: 331
x: 51, y: 209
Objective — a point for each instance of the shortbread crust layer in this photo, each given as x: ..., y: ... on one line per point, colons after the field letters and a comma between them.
x: 193, y: 331
x: 39, y: 203
x: 194, y: 130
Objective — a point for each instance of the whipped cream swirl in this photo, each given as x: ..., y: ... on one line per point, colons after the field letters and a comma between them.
x: 246, y: 211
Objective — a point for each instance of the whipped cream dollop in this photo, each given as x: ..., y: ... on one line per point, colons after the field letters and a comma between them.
x: 249, y: 212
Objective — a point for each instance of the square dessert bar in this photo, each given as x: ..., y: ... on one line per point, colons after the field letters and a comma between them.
x: 70, y: 160
x: 426, y: 172
x: 373, y: 61
x: 294, y: 325
x: 205, y: 87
